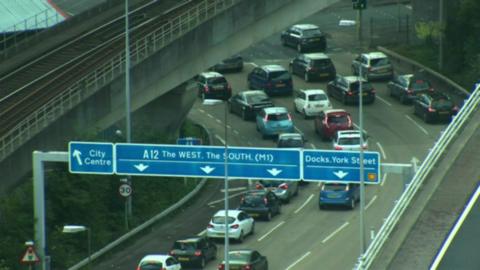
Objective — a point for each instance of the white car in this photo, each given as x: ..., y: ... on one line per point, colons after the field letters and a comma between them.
x: 349, y: 140
x: 240, y: 223
x: 311, y: 102
x: 159, y: 261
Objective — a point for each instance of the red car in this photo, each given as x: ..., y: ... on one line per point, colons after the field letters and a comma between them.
x: 330, y: 121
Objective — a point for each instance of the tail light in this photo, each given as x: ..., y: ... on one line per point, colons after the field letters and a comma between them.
x: 349, y: 122
x: 198, y: 253
x: 171, y: 252
x: 374, y: 91
x: 234, y: 226
x: 210, y: 225
x: 221, y: 266
x: 307, y: 69
x: 247, y: 267
x: 338, y: 147
x: 430, y: 89
x: 258, y: 186
x: 369, y: 68
x: 430, y: 109
x: 410, y: 92
x: 325, y: 123
x: 455, y: 108
x: 268, y: 85
x: 265, y: 200
x: 242, y: 199
x: 349, y: 93
x: 265, y: 119
x: 364, y: 147
x: 283, y: 186
x: 206, y: 89
x: 138, y: 268
x: 347, y: 188
x: 289, y: 117
x: 229, y: 88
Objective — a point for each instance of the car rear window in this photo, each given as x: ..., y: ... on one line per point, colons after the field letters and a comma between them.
x: 312, y: 33
x: 239, y: 256
x: 337, y: 119
x: 151, y: 266
x: 221, y: 220
x: 217, y: 80
x: 290, y: 142
x: 349, y: 141
x: 420, y: 85
x: 252, y: 200
x: 321, y: 63
x: 279, y: 75
x: 317, y: 97
x: 335, y: 187
x: 185, y: 245
x: 442, y: 103
x: 379, y: 62
x: 277, y: 116
x: 366, y: 86
x: 257, y: 98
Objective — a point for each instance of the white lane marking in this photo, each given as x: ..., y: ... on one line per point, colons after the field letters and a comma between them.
x: 233, y: 189
x: 297, y: 129
x: 453, y: 232
x: 251, y: 63
x: 229, y: 127
x: 249, y: 143
x: 305, y: 203
x: 381, y: 150
x: 358, y: 127
x: 218, y: 121
x: 313, y: 146
x: 220, y: 139
x: 371, y: 202
x: 417, y: 124
x: 201, y: 110
x: 319, y: 184
x: 384, y: 101
x: 297, y: 261
x: 221, y: 200
x: 384, y: 179
x: 408, y: 6
x: 209, y: 115
x: 269, y: 232
x: 236, y: 132
x: 202, y: 233
x: 335, y: 232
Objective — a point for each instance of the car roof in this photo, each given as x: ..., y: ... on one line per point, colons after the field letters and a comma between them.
x: 313, y: 91
x: 273, y: 68
x: 336, y: 111
x: 317, y: 56
x: 305, y: 26
x: 155, y: 257
x: 375, y: 55
x: 271, y: 110
x: 211, y: 74
x: 190, y: 239
x: 231, y: 213
x: 351, y: 79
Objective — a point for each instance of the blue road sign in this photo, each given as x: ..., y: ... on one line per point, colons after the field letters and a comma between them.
x: 189, y: 141
x: 340, y: 166
x: 207, y: 161
x: 91, y: 157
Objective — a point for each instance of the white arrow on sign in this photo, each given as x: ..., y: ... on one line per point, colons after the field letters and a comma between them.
x: 76, y: 154
x: 274, y: 171
x: 141, y: 167
x: 340, y: 174
x: 207, y: 169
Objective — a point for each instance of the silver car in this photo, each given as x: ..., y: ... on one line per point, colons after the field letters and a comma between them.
x: 284, y: 190
x: 373, y: 65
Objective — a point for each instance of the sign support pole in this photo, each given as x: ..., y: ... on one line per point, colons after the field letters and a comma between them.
x: 362, y: 176
x: 227, y: 237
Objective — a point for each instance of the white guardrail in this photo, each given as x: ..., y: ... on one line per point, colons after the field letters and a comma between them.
x: 91, y: 83
x: 423, y: 172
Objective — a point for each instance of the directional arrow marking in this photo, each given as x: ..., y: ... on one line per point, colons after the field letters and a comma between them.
x: 274, y: 171
x: 141, y: 167
x: 207, y: 169
x: 76, y: 154
x: 340, y: 174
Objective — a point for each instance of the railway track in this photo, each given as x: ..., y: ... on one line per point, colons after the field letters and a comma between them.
x: 27, y: 88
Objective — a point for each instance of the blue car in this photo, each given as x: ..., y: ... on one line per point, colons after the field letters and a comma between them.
x: 273, y: 121
x: 273, y: 79
x: 343, y: 194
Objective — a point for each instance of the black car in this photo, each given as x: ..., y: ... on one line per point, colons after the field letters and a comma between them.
x: 248, y: 103
x: 194, y: 251
x: 273, y: 79
x: 260, y: 203
x: 245, y: 259
x: 290, y: 140
x: 233, y: 63
x: 346, y: 89
x: 434, y: 106
x: 304, y: 37
x: 213, y: 85
x: 313, y: 66
x: 406, y: 87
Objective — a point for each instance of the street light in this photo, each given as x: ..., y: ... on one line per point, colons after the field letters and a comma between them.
x: 211, y: 102
x: 77, y: 229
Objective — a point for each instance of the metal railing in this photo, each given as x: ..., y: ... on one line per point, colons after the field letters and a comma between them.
x: 102, y: 76
x: 423, y: 172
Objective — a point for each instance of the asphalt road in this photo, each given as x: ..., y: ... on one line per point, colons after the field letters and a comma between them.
x: 302, y: 237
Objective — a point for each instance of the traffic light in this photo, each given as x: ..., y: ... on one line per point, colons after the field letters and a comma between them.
x: 359, y: 4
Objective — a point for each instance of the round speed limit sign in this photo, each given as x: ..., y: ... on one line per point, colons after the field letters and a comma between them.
x: 125, y: 190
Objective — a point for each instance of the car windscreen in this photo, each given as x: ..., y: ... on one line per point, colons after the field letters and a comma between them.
x: 349, y: 141
x: 366, y: 86
x: 221, y: 220
x: 217, y: 80
x: 337, y: 119
x: 317, y: 97
x: 239, y: 256
x: 257, y: 98
x: 319, y: 63
x: 277, y: 117
x: 279, y: 75
x: 335, y: 187
x: 377, y: 62
x: 185, y: 245
x: 290, y: 142
x: 151, y: 266
x: 312, y: 33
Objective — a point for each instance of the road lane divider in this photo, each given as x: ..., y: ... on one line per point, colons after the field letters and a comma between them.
x: 384, y: 155
x: 335, y: 232
x: 220, y: 139
x: 218, y: 121
x: 221, y: 200
x: 236, y: 132
x: 384, y: 179
x: 297, y: 261
x: 313, y: 146
x: 384, y: 101
x: 210, y: 116
x: 371, y: 202
x: 305, y: 203
x: 269, y: 232
x: 417, y: 124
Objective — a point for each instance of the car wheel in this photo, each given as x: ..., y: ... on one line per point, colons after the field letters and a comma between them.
x: 299, y: 48
x: 306, y: 77
x: 268, y: 217
x: 321, y: 206
x: 352, y: 203
x: 295, y: 108
x: 290, y: 69
x: 287, y: 200
x: 403, y: 99
x: 241, y: 237
x: 305, y: 116
x: 354, y: 72
x: 425, y: 117
x: 202, y: 262
x: 252, y: 231
x: 264, y: 136
x: 283, y: 41
x: 203, y: 96
x: 244, y: 115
